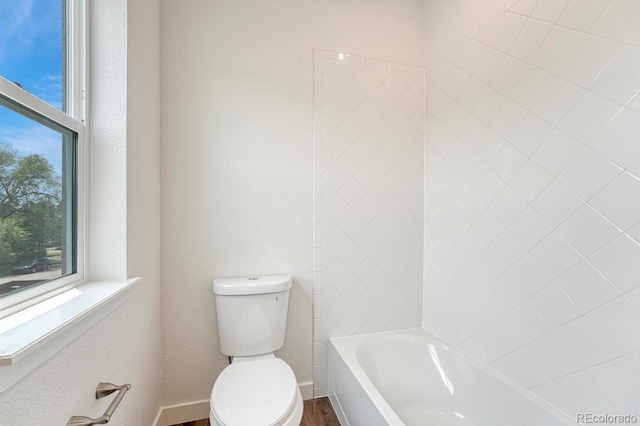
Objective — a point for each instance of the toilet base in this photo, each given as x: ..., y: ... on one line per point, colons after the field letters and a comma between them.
x: 293, y: 419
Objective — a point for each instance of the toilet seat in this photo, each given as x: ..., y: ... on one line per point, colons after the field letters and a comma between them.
x: 262, y: 391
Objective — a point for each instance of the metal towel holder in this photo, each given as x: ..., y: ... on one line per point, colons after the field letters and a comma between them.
x: 102, y: 390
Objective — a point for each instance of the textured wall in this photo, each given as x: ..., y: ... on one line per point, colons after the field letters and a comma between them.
x: 237, y: 169
x: 369, y: 171
x: 532, y: 188
x: 125, y: 347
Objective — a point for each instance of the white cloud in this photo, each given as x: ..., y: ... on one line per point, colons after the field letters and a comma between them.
x: 32, y: 138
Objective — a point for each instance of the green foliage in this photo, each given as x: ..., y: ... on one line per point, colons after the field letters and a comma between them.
x: 30, y: 206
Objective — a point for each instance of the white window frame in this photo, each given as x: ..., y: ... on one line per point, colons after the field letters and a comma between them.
x: 74, y: 120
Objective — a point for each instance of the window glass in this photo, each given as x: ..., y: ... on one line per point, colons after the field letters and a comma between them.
x: 37, y: 187
x: 39, y: 158
x: 32, y: 47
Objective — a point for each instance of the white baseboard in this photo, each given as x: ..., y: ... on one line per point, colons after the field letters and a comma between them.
x: 182, y: 413
x: 306, y: 389
x: 198, y: 410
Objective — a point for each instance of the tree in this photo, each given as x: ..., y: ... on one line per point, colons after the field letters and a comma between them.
x: 30, y: 210
x: 24, y: 181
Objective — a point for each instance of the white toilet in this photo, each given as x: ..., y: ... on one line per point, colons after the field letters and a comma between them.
x: 256, y: 389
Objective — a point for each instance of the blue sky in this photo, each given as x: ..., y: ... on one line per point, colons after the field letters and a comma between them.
x: 31, y: 54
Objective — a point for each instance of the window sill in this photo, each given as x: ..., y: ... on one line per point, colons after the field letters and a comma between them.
x: 28, y: 342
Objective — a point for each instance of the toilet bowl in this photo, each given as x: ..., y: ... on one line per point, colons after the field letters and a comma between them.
x: 256, y: 389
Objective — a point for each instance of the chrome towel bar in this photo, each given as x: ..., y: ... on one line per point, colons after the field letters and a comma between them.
x: 102, y: 390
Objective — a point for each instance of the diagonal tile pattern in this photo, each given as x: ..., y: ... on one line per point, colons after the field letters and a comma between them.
x: 532, y: 190
x: 369, y: 213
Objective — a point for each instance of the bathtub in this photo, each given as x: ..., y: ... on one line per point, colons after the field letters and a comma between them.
x: 411, y: 377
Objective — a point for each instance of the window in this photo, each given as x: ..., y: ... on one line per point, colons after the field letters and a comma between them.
x: 42, y: 53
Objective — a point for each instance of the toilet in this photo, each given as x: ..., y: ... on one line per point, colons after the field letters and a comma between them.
x: 256, y: 389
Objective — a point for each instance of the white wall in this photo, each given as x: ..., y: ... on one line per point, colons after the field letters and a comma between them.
x: 237, y: 157
x: 125, y: 347
x: 531, y: 205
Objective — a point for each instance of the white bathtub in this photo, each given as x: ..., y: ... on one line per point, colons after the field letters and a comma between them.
x: 411, y: 377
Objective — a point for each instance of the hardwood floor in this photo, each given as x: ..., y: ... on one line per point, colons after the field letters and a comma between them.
x: 317, y: 412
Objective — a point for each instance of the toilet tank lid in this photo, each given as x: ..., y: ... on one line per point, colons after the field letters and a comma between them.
x: 251, y: 285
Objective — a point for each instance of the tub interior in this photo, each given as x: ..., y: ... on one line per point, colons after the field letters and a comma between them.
x: 423, y: 381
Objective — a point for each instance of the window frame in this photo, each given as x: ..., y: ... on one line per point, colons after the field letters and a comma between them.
x: 76, y: 82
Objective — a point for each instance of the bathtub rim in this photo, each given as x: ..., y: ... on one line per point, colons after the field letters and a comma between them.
x: 347, y: 346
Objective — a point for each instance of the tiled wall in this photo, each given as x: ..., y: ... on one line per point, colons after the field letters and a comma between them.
x: 532, y: 200
x: 368, y: 199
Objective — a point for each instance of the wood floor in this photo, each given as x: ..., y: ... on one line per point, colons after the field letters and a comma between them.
x: 317, y: 412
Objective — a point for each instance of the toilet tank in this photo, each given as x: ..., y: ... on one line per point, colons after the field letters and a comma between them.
x: 252, y: 313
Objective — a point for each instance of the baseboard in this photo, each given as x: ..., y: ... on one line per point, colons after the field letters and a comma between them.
x: 198, y: 410
x: 183, y: 413
x: 306, y: 389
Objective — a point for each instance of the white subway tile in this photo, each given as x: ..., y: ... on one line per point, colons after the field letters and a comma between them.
x: 556, y: 203
x: 619, y: 262
x: 524, y: 7
x: 555, y: 306
x: 620, y: 382
x: 472, y: 94
x: 588, y: 174
x: 530, y: 86
x: 587, y: 287
x: 619, y: 81
x: 549, y: 10
x: 336, y: 307
x: 530, y: 39
x: 528, y: 321
x: 556, y: 255
x: 351, y: 290
x: 634, y: 360
x: 472, y: 55
x: 588, y: 231
x: 623, y: 191
x: 523, y: 366
x: 507, y: 31
x: 508, y: 75
x: 618, y: 141
x: 530, y: 134
x: 530, y: 228
x: 506, y: 293
x: 486, y: 32
x: 558, y: 98
x: 488, y: 146
x: 488, y: 106
x: 618, y: 21
x: 556, y: 48
x: 488, y: 65
x: 582, y: 394
x: 550, y: 393
x: 588, y: 60
x: 507, y: 206
x: 508, y: 161
x: 554, y: 356
x: 588, y: 117
x: 507, y: 249
x: 529, y: 181
x: 582, y: 14
x: 556, y: 152
x: 508, y: 118
x: 530, y: 275
x: 619, y: 320
x: 586, y: 342
x: 488, y: 186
